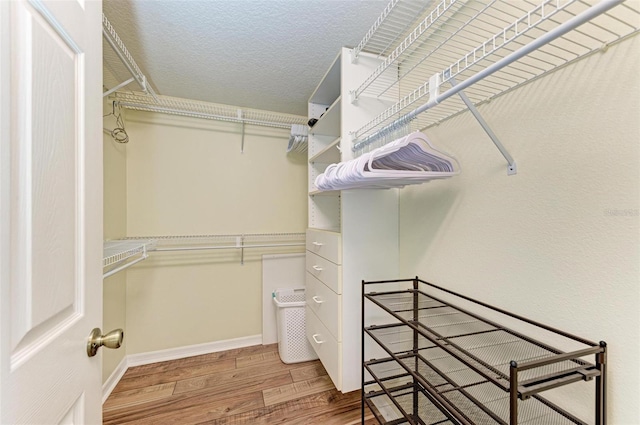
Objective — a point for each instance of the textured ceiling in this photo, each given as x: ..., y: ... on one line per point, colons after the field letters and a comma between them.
x: 263, y: 54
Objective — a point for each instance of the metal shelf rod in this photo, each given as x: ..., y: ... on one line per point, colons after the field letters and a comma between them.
x: 204, y: 248
x: 553, y: 34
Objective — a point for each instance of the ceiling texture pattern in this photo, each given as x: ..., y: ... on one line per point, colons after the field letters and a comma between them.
x: 262, y: 54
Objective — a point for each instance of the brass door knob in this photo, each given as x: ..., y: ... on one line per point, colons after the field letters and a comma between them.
x: 111, y: 340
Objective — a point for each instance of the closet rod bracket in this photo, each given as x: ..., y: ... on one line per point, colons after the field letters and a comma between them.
x: 511, y: 167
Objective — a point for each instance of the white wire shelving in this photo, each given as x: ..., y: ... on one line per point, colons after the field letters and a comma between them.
x: 123, y: 253
x: 206, y: 110
x: 120, y: 254
x: 391, y: 27
x: 486, y: 48
x: 120, y: 64
x: 123, y: 70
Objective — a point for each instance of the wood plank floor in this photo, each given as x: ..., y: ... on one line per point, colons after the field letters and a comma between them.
x: 244, y: 386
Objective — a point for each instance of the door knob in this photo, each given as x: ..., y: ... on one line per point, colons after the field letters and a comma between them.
x: 111, y: 340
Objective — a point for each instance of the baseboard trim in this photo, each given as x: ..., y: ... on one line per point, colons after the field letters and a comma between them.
x: 191, y: 350
x: 174, y: 354
x: 113, y: 379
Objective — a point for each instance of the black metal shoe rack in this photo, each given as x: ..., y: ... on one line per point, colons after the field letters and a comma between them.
x: 444, y: 364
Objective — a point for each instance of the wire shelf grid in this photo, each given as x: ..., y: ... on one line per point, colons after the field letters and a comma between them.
x: 472, y: 396
x: 447, y: 332
x: 119, y: 250
x: 119, y: 56
x: 391, y: 26
x: 469, y: 37
x: 224, y: 241
x: 120, y: 64
x: 207, y: 110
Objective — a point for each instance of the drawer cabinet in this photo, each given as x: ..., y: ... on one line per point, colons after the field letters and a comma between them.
x: 325, y: 244
x: 325, y: 304
x: 323, y: 295
x: 325, y: 345
x: 324, y: 270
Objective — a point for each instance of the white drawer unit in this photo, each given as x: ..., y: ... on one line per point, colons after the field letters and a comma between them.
x: 324, y: 270
x: 325, y: 345
x: 325, y: 303
x: 352, y: 234
x: 325, y: 244
x: 324, y: 300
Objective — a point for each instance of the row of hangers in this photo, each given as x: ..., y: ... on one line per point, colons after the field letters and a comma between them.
x: 411, y: 159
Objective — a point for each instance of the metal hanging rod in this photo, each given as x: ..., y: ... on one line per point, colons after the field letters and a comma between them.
x: 502, y: 50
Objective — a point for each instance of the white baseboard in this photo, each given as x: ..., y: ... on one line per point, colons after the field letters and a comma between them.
x: 191, y: 350
x: 174, y: 354
x: 113, y: 379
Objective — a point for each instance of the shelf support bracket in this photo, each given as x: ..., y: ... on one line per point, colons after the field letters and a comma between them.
x: 511, y: 168
x: 243, y: 123
x: 242, y: 248
x: 118, y: 87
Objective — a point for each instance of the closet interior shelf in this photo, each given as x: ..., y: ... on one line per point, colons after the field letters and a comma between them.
x: 123, y: 253
x: 490, y: 48
x: 120, y: 64
x: 121, y: 70
x: 327, y: 155
x: 390, y: 27
x: 206, y: 110
x: 120, y: 254
x: 230, y: 241
x: 329, y: 123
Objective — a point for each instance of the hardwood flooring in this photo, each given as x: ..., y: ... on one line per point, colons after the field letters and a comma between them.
x: 242, y: 386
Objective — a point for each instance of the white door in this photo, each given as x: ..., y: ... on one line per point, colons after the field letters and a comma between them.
x: 51, y: 215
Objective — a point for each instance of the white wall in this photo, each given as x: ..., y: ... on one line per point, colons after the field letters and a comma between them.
x: 187, y: 176
x: 115, y: 226
x: 558, y: 242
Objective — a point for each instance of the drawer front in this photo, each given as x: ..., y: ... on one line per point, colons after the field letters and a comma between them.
x: 325, y: 244
x: 324, y: 270
x: 325, y: 345
x: 325, y: 304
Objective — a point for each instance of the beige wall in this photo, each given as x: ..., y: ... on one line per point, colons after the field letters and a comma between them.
x: 558, y: 242
x: 187, y: 176
x: 115, y: 226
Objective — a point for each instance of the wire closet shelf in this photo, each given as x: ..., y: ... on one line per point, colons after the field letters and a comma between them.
x: 120, y: 64
x: 486, y: 48
x: 220, y: 241
x: 119, y: 253
x: 121, y: 70
x: 206, y: 110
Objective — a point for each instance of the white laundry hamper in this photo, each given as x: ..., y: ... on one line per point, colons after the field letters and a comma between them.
x: 292, y: 339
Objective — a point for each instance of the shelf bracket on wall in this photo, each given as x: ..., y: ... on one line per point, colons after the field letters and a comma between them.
x: 511, y: 167
x: 118, y: 87
x: 243, y: 123
x: 240, y: 244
